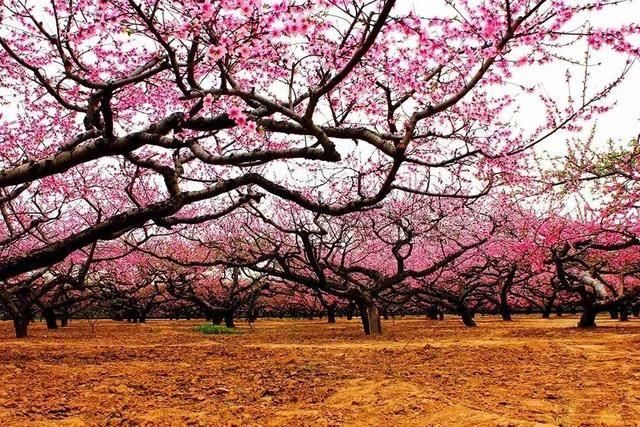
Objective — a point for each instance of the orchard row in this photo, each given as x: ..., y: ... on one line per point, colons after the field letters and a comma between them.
x: 227, y: 157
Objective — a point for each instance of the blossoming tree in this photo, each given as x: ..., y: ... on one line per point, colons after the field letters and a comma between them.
x: 130, y: 116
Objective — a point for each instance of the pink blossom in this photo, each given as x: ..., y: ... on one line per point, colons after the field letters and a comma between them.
x: 216, y: 52
x: 237, y: 115
x: 207, y: 10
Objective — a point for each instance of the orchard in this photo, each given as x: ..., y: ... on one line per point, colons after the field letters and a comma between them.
x: 404, y: 177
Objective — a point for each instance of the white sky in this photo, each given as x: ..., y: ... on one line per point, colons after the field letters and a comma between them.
x: 622, y: 122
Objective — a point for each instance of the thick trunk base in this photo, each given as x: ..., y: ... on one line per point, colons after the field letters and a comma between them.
x: 50, y: 317
x: 21, y: 325
x: 506, y: 314
x: 228, y: 320
x: 467, y: 319
x: 624, y: 313
x: 351, y: 309
x: 588, y: 319
x: 331, y: 315
x: 370, y: 315
x: 216, y: 318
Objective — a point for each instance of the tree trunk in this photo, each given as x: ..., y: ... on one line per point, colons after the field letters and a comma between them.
x: 588, y: 318
x: 228, y: 319
x: 624, y: 312
x: 505, y: 312
x: 432, y: 313
x: 370, y: 315
x: 467, y: 317
x: 548, y: 307
x: 20, y: 324
x: 50, y: 317
x: 216, y: 317
x: 331, y: 314
x: 613, y: 312
x: 350, y: 310
x: 636, y: 310
x: 143, y: 318
x: 64, y: 320
x: 559, y: 311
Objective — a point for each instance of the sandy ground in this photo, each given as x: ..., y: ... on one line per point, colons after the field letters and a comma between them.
x: 297, y: 373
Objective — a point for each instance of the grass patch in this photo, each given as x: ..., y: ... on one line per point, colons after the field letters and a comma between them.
x: 209, y: 329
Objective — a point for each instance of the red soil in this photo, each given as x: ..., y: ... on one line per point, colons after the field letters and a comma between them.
x: 297, y: 373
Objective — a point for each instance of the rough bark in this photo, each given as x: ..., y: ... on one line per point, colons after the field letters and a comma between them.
x: 216, y: 318
x: 228, y: 319
x: 505, y: 312
x: 350, y: 310
x: 50, y: 317
x: 20, y: 324
x: 331, y: 314
x: 588, y: 318
x: 624, y: 312
x: 467, y: 318
x: 370, y: 315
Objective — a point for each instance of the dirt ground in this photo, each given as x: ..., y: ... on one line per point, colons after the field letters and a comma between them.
x: 420, y: 372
